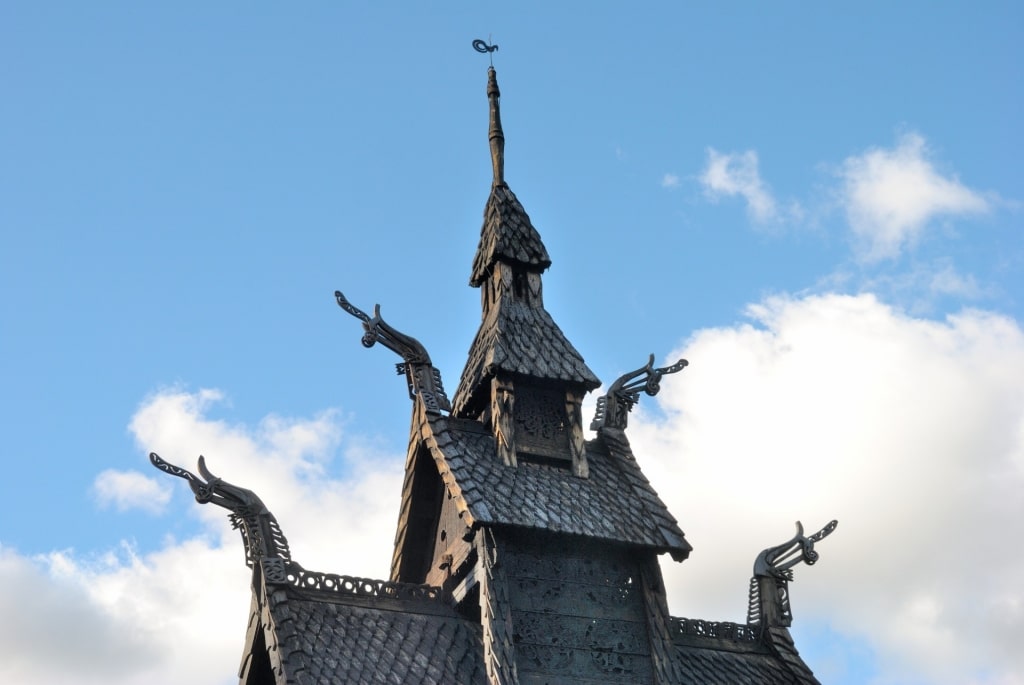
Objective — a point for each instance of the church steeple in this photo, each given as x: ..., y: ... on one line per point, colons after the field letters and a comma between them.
x: 523, y: 377
x: 507, y: 234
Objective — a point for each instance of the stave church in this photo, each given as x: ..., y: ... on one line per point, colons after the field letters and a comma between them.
x: 527, y: 548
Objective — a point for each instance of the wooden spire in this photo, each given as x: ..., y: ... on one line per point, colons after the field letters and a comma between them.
x: 495, y: 135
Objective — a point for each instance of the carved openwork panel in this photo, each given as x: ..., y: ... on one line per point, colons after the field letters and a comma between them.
x: 597, y: 666
x: 556, y: 630
x: 595, y: 569
x: 578, y: 613
x: 542, y: 424
x: 571, y: 597
x: 682, y: 628
x: 360, y: 587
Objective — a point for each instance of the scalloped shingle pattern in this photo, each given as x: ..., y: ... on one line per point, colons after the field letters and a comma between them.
x: 507, y: 234
x: 520, y: 339
x: 616, y: 502
x: 710, y: 666
x: 329, y: 643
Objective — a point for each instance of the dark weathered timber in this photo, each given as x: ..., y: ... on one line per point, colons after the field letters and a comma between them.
x: 261, y: 533
x: 423, y: 379
x: 614, y: 407
x: 773, y: 569
x: 524, y: 553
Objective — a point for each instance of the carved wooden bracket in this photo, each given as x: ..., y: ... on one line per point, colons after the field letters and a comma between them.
x: 773, y: 569
x: 261, y: 533
x: 613, y: 409
x: 423, y: 379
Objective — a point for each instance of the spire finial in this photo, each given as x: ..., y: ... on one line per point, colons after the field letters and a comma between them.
x: 494, y: 135
x: 484, y: 47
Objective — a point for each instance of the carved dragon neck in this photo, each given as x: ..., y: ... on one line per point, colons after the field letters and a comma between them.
x: 423, y: 379
x: 261, y: 534
x: 613, y: 409
x: 773, y: 569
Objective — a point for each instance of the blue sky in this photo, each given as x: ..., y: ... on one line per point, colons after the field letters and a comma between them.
x: 818, y: 206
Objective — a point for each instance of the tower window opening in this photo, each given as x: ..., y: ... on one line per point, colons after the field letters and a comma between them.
x: 519, y: 288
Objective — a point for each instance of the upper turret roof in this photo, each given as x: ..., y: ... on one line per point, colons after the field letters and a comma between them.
x: 507, y: 233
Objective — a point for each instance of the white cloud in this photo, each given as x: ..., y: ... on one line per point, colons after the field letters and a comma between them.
x: 179, y: 614
x: 131, y: 490
x: 909, y: 431
x: 891, y: 195
x: 669, y: 181
x: 920, y: 288
x: 948, y: 281
x: 53, y: 632
x: 728, y: 175
x: 289, y: 464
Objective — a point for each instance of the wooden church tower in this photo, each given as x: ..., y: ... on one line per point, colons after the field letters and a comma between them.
x: 525, y: 552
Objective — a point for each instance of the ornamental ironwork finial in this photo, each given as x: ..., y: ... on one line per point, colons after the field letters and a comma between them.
x: 261, y: 534
x: 423, y: 379
x: 485, y: 48
x: 613, y: 409
x: 773, y: 569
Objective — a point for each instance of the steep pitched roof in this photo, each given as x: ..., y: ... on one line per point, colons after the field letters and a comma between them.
x: 714, y: 653
x: 516, y: 336
x: 507, y: 234
x: 520, y: 339
x: 309, y: 628
x: 358, y: 631
x: 616, y: 503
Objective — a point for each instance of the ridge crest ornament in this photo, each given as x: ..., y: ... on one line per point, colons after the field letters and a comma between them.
x: 423, y: 379
x: 773, y: 570
x: 614, y: 407
x: 261, y: 533
x: 523, y: 552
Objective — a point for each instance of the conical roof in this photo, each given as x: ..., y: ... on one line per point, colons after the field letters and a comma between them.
x: 507, y: 235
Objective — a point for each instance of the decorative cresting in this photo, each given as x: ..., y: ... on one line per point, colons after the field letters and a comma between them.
x: 613, y: 409
x: 773, y: 569
x: 299, y: 577
x: 683, y: 628
x: 261, y: 534
x: 266, y: 546
x: 423, y: 379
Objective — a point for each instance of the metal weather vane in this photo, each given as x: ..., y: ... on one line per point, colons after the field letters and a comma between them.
x: 486, y: 48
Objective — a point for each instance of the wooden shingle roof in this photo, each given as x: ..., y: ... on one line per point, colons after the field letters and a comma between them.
x: 358, y: 631
x: 606, y: 598
x: 524, y: 340
x: 616, y: 503
x: 710, y: 666
x: 517, y: 336
x: 723, y: 653
x: 507, y: 234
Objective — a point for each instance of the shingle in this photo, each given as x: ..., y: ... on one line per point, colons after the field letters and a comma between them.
x: 614, y: 503
x: 508, y: 234
x: 509, y: 342
x: 728, y: 653
x: 336, y: 643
